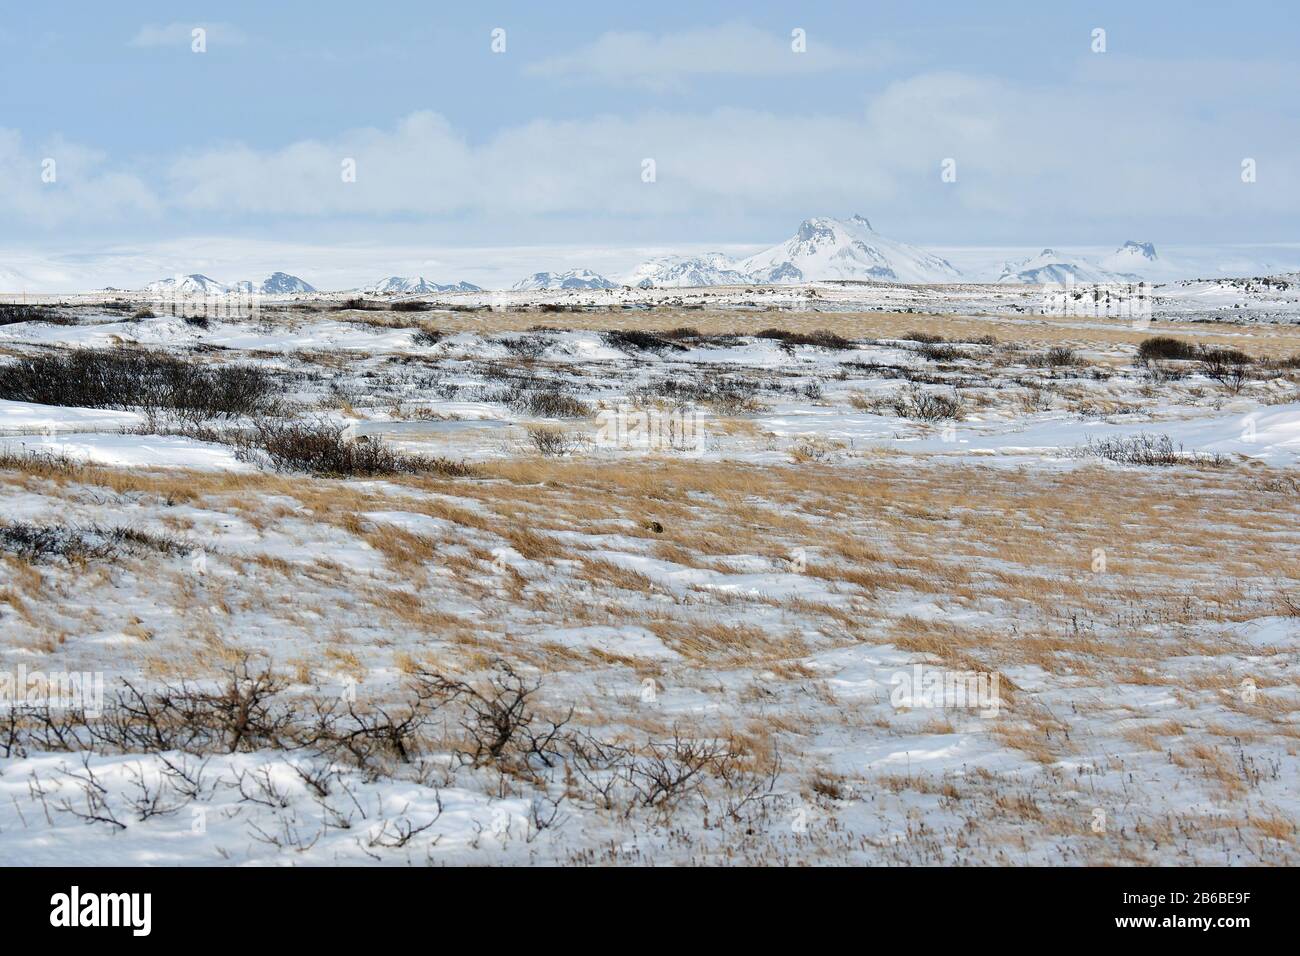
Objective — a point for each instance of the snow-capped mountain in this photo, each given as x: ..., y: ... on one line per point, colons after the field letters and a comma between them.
x: 573, y: 279
x: 713, y: 268
x: 1134, y: 258
x: 826, y: 248
x: 1057, y: 268
x: 281, y: 283
x: 416, y: 285
x: 822, y: 248
x: 277, y: 283
x: 192, y: 285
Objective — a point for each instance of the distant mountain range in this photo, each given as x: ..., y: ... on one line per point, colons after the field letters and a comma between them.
x: 821, y: 249
x: 1131, y: 262
x: 713, y: 268
x: 850, y: 249
x: 416, y: 285
x: 573, y: 279
x: 825, y: 248
x: 277, y: 283
x: 281, y: 283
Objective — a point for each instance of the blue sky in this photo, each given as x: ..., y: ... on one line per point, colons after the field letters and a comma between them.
x: 1052, y: 143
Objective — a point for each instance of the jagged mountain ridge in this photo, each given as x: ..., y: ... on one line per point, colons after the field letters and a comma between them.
x: 822, y: 248
x: 197, y: 284
x: 416, y: 285
x: 1050, y: 266
x: 572, y: 279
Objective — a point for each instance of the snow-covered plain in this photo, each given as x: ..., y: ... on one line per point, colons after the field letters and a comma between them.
x: 721, y: 570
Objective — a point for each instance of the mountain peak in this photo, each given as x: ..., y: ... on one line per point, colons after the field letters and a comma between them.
x: 1133, y: 247
x: 281, y: 283
x: 195, y: 284
x: 848, y: 249
x: 712, y: 268
x: 572, y: 279
x: 1050, y: 267
x: 819, y: 229
x: 416, y: 285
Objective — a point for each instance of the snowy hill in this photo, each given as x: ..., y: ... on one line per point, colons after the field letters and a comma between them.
x: 281, y: 283
x: 277, y: 283
x: 822, y: 248
x: 1054, y: 267
x: 416, y: 285
x: 573, y: 279
x: 193, y: 285
x: 1134, y: 258
x: 713, y: 268
x: 826, y: 248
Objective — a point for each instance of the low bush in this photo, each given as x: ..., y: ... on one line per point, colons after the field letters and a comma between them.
x: 152, y: 381
x: 818, y: 339
x: 12, y: 314
x: 1229, y: 367
x: 1145, y: 449
x: 731, y: 395
x: 1058, y: 356
x: 927, y: 338
x: 37, y: 543
x: 549, y: 401
x: 551, y: 442
x: 324, y: 448
x: 528, y: 346
x: 939, y: 351
x: 633, y: 340
x: 359, y: 305
x: 927, y: 406
x: 1165, y: 347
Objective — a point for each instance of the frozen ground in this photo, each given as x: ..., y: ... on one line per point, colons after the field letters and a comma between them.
x: 712, y: 560
x: 1271, y: 298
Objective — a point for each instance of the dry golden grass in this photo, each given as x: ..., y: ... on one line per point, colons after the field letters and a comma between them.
x: 1027, y: 330
x: 879, y: 535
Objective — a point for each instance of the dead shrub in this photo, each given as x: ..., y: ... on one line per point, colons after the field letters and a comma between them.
x: 323, y: 448
x: 500, y: 723
x: 927, y: 406
x: 551, y: 442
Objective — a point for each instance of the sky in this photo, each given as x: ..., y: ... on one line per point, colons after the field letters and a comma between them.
x: 594, y: 126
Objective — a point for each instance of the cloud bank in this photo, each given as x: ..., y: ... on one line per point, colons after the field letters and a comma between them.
x: 665, y: 61
x: 1081, y: 154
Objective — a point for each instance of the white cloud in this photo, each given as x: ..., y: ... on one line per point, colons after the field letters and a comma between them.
x: 180, y: 35
x: 1061, y: 160
x: 541, y: 168
x: 84, y: 189
x: 1071, y: 156
x: 665, y: 61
